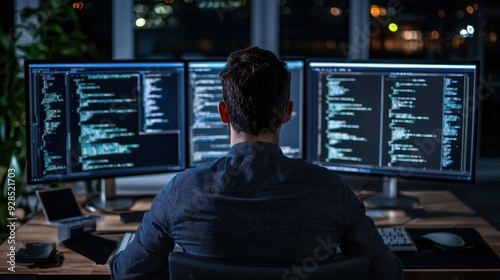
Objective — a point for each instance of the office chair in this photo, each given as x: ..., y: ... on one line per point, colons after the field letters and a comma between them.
x: 183, y: 266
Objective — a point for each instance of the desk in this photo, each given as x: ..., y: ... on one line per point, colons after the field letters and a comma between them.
x: 36, y: 230
x: 432, y: 201
x: 457, y: 215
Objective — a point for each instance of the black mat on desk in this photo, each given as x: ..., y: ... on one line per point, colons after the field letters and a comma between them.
x: 474, y: 254
x: 93, y: 247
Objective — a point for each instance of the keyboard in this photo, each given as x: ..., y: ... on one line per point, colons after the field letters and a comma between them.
x: 126, y: 239
x: 397, y: 239
x: 79, y: 219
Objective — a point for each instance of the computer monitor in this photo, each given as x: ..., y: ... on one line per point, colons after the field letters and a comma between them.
x: 209, y: 137
x: 88, y: 120
x: 399, y: 120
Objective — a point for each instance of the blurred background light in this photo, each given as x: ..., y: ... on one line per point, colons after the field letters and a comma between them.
x: 393, y: 27
x: 140, y: 22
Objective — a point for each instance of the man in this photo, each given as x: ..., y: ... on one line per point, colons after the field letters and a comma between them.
x: 255, y: 203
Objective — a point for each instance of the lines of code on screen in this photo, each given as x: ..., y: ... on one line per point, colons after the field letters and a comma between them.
x: 209, y: 137
x: 405, y: 120
x: 111, y: 120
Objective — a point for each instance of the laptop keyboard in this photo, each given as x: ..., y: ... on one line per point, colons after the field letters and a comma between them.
x: 78, y: 219
x: 397, y: 239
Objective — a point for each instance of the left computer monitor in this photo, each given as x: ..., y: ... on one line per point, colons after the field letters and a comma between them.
x: 89, y: 120
x: 209, y: 137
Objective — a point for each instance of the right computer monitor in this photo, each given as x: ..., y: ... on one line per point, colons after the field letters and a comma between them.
x: 208, y: 137
x: 400, y: 120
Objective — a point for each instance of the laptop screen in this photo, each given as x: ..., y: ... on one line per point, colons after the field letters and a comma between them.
x: 58, y: 203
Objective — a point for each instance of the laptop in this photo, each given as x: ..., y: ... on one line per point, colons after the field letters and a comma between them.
x: 60, y: 207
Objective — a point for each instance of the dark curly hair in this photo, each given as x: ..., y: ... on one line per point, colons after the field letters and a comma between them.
x: 256, y: 90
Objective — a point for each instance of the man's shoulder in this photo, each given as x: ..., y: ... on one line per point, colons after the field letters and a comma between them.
x: 202, y: 168
x: 200, y: 172
x: 311, y: 167
x: 313, y: 172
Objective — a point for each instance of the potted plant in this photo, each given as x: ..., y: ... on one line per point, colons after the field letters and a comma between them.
x: 55, y: 34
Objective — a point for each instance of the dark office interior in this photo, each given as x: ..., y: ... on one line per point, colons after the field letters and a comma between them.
x: 377, y: 30
x: 321, y: 29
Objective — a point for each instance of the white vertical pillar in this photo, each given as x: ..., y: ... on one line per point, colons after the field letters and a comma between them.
x: 122, y: 29
x: 265, y: 24
x: 359, y: 29
x: 18, y: 6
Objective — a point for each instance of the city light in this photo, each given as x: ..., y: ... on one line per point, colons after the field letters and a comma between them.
x: 331, y: 44
x: 140, y: 9
x: 78, y: 5
x: 434, y: 35
x: 218, y: 4
x: 492, y: 37
x: 467, y: 32
x: 412, y: 35
x: 140, y: 22
x: 470, y: 29
x: 393, y: 27
x: 162, y: 9
x: 375, y: 11
x: 382, y: 11
x: 335, y: 11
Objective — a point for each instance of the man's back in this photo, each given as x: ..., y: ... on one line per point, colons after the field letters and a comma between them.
x: 257, y: 204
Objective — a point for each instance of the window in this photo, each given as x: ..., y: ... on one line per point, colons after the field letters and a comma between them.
x: 423, y: 29
x: 490, y: 136
x: 313, y: 28
x: 100, y: 34
x: 427, y: 29
x: 188, y: 27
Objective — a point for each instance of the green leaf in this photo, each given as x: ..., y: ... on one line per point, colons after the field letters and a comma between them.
x: 14, y: 165
x: 6, y: 150
x: 56, y: 28
x: 55, y: 33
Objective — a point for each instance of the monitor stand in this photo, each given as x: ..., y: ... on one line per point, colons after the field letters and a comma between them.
x: 389, y: 198
x: 107, y: 201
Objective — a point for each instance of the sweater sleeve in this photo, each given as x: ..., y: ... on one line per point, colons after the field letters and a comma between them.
x: 362, y: 237
x: 146, y: 257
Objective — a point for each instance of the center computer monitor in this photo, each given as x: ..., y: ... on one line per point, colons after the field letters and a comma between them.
x: 88, y: 120
x: 399, y: 120
x: 209, y: 137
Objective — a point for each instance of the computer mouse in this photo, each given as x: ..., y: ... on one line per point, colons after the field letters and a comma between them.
x: 445, y: 239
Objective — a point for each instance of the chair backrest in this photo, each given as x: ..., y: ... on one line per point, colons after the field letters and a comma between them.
x: 183, y: 266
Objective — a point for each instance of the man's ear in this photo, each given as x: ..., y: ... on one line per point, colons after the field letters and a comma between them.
x: 221, y: 107
x: 288, y: 113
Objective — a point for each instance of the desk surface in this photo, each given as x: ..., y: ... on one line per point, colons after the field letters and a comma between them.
x: 454, y: 214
